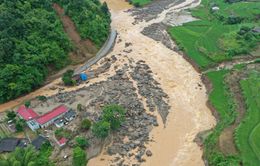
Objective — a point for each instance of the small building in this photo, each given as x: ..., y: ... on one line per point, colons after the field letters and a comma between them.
x: 59, y: 123
x: 62, y: 141
x: 49, y: 118
x: 8, y: 144
x: 70, y: 115
x: 83, y: 76
x: 38, y: 142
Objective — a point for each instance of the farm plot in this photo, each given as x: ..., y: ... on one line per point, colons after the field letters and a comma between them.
x: 248, y: 133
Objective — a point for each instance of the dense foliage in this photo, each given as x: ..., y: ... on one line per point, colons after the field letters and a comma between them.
x: 79, y: 157
x: 92, y: 19
x: 27, y: 157
x: 31, y: 40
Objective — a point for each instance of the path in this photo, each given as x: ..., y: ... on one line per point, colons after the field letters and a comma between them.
x: 173, y: 145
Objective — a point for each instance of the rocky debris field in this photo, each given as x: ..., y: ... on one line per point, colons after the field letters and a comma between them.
x: 152, y: 10
x: 128, y: 143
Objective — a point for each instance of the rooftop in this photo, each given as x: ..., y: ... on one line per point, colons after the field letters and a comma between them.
x: 26, y: 113
x: 62, y: 141
x: 37, y: 143
x: 52, y: 114
x: 8, y: 144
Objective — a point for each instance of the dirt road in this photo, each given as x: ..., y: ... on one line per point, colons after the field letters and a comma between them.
x: 173, y: 144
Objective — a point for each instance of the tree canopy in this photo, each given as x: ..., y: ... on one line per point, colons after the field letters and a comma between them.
x: 33, y: 41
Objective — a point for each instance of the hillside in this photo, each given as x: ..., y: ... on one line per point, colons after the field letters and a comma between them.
x: 33, y: 41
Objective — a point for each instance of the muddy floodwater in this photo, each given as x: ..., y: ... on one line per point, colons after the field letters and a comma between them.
x: 173, y: 143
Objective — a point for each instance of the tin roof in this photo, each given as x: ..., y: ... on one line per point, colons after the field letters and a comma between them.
x: 27, y: 113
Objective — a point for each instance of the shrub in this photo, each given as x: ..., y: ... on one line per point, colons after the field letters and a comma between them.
x: 19, y: 125
x: 67, y: 78
x: 85, y: 124
x: 42, y: 98
x: 10, y: 115
x: 27, y: 104
x: 101, y: 129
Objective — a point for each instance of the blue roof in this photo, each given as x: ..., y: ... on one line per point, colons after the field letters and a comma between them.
x: 83, y: 76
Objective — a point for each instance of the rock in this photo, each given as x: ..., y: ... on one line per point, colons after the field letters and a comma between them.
x: 148, y: 153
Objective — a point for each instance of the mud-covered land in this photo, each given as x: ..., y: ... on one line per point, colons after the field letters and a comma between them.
x: 117, y: 89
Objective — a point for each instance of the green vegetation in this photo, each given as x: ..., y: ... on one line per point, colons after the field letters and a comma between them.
x: 92, y: 19
x: 11, y: 115
x: 222, y: 101
x: 82, y: 142
x: 216, y: 36
x: 101, y: 129
x: 67, y: 78
x: 248, y: 133
x: 59, y: 133
x: 33, y: 41
x: 27, y: 157
x: 19, y: 125
x: 79, y: 157
x: 112, y: 117
x: 85, y: 124
x: 114, y: 114
x: 27, y: 104
x: 140, y: 3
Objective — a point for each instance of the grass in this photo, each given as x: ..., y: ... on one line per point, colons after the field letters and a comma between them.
x: 206, y: 40
x: 248, y: 133
x: 140, y: 3
x: 221, y: 99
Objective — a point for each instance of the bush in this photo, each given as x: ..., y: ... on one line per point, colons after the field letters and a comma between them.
x: 85, y: 124
x: 101, y: 129
x: 10, y: 115
x: 42, y: 98
x: 114, y: 114
x: 82, y: 142
x: 27, y: 104
x: 19, y: 125
x: 79, y: 157
x: 67, y: 78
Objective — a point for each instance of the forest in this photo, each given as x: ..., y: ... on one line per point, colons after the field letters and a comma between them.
x: 33, y: 41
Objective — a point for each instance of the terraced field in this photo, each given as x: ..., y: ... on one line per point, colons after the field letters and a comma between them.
x: 248, y: 133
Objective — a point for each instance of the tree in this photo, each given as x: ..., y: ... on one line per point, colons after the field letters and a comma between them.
x: 67, y: 78
x: 79, y: 107
x: 114, y: 114
x: 21, y: 156
x: 82, y: 142
x: 85, y: 124
x: 101, y: 129
x: 27, y: 104
x: 10, y: 115
x: 19, y: 125
x: 79, y: 157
